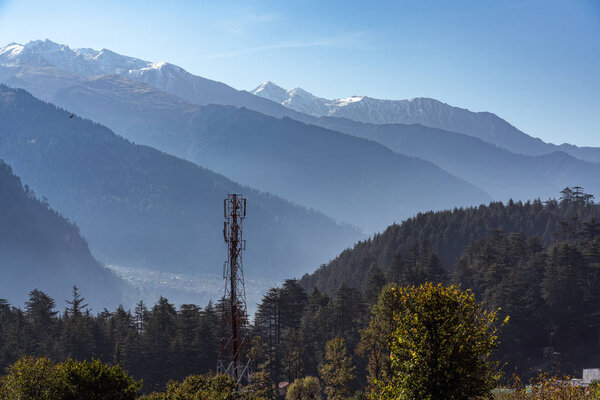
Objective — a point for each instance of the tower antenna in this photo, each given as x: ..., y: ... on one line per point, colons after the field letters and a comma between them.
x: 235, y: 320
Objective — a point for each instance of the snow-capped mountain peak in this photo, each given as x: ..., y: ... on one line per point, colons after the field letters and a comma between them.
x: 87, y: 62
x: 72, y: 66
x: 358, y: 108
x: 297, y: 99
x: 270, y: 90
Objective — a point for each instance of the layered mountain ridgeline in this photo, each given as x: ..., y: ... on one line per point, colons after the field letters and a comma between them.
x: 41, y: 249
x: 139, y: 207
x: 350, y: 179
x: 114, y: 101
x: 43, y: 67
x: 23, y: 66
x: 424, y: 111
x: 448, y: 233
x: 499, y: 172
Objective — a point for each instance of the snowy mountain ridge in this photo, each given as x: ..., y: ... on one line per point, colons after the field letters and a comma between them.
x: 84, y: 61
x: 423, y: 111
x: 357, y: 108
x: 20, y: 65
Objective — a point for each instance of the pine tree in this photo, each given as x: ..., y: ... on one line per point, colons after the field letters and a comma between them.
x: 77, y: 339
x: 40, y: 314
x: 374, y: 283
x: 338, y: 371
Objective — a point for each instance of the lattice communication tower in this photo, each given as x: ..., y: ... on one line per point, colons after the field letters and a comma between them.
x: 235, y: 320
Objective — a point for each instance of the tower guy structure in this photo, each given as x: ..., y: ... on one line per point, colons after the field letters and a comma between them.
x: 235, y: 321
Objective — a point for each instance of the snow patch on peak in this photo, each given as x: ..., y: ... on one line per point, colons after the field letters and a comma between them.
x: 268, y: 85
x: 347, y: 100
x: 300, y: 92
x: 158, y: 65
x: 12, y: 50
x: 155, y: 66
x: 271, y: 91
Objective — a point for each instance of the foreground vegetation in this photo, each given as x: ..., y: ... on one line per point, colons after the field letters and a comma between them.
x: 435, y: 343
x: 425, y: 342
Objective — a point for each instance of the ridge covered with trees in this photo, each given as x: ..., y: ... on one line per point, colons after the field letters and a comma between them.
x: 40, y: 248
x: 448, y: 233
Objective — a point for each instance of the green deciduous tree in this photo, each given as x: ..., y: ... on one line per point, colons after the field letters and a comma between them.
x: 198, y: 387
x: 308, y: 388
x: 41, y: 379
x: 32, y: 379
x: 93, y: 380
x: 441, y: 345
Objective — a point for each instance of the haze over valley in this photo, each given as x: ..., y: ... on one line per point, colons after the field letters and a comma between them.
x: 324, y: 173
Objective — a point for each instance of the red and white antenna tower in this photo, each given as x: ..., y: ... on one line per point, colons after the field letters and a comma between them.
x: 235, y: 320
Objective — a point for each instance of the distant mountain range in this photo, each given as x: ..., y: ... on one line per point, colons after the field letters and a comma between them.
x: 352, y: 180
x: 39, y: 249
x: 362, y: 161
x: 502, y: 174
x: 130, y: 104
x: 142, y: 208
x: 19, y: 65
x: 424, y: 111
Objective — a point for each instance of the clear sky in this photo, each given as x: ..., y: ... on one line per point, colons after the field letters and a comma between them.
x: 535, y: 63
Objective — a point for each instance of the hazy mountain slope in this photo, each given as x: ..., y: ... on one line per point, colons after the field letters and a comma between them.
x: 351, y: 179
x: 450, y: 233
x: 22, y: 62
x: 139, y: 207
x: 41, y: 249
x: 425, y: 111
x: 499, y: 172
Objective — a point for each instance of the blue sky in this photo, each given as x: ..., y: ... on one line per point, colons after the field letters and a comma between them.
x: 535, y: 63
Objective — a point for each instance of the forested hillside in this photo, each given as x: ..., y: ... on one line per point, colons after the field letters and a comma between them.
x: 450, y: 232
x: 139, y: 207
x: 544, y: 277
x: 41, y: 249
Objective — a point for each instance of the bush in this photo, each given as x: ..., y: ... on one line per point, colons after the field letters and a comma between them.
x: 97, y: 381
x: 33, y: 379
x: 307, y: 388
x: 198, y: 387
x: 41, y: 379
